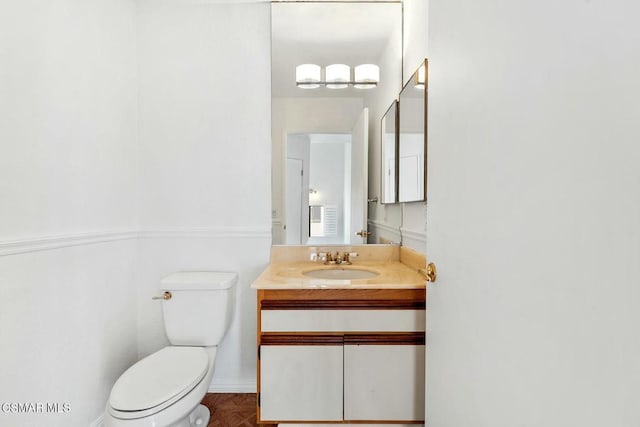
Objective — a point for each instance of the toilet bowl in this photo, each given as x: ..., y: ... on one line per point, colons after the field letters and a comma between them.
x: 165, y: 388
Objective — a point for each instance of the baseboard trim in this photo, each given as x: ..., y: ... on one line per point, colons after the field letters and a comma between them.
x: 233, y: 387
x: 62, y: 241
x: 98, y: 422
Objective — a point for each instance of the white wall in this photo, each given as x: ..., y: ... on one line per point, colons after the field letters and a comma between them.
x: 416, y: 40
x: 68, y: 214
x: 204, y: 138
x: 387, y: 220
x: 384, y: 220
x: 415, y: 50
x: 534, y: 214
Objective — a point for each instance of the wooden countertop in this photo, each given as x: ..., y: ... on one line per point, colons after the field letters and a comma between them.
x: 290, y: 275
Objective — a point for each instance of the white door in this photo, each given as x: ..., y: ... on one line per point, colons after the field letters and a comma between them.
x: 533, y: 214
x: 359, y: 180
x: 293, y: 215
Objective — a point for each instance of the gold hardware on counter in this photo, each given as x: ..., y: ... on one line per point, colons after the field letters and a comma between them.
x: 363, y: 233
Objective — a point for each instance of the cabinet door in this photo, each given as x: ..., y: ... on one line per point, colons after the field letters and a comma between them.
x: 301, y: 382
x: 384, y: 382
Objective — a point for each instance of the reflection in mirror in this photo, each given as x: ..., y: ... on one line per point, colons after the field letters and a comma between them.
x: 305, y: 211
x: 318, y: 202
x: 412, y: 145
x: 389, y: 135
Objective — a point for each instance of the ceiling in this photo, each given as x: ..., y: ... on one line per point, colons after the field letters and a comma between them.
x: 327, y: 33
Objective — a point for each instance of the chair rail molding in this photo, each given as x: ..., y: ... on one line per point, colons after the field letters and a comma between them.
x: 244, y: 232
x: 48, y: 242
x: 414, y: 239
x: 385, y: 230
x: 43, y: 243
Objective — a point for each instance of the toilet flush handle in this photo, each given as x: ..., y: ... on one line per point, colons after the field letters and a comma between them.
x: 166, y: 295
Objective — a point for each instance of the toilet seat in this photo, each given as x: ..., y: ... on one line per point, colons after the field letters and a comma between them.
x: 158, y: 381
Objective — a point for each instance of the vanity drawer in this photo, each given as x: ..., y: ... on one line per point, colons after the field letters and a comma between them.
x: 342, y: 320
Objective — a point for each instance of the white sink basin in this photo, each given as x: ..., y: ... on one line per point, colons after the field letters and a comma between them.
x: 341, y: 273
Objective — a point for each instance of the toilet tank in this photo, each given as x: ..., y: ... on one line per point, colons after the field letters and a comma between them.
x: 201, y: 306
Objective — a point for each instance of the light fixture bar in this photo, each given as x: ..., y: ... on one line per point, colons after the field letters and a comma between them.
x: 372, y: 84
x: 337, y: 76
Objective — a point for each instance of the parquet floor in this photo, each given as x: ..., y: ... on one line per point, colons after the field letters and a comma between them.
x: 232, y: 409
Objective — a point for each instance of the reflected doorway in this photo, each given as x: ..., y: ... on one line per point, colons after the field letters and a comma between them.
x: 318, y: 188
x: 326, y: 199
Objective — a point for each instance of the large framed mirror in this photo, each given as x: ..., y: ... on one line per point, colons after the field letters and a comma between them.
x: 412, y: 142
x: 389, y: 155
x: 324, y: 125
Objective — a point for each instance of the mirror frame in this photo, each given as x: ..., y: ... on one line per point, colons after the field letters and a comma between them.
x: 414, y: 77
x: 395, y: 106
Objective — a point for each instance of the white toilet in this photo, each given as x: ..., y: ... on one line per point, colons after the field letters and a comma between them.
x: 165, y: 388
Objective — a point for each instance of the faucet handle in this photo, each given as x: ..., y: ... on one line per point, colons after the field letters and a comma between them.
x: 318, y: 256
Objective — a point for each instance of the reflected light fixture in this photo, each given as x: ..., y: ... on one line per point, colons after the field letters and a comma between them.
x: 314, y: 196
x: 308, y: 76
x: 420, y: 78
x: 337, y: 76
x: 338, y: 73
x: 365, y: 75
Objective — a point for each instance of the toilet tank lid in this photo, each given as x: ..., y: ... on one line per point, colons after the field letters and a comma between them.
x: 199, y: 280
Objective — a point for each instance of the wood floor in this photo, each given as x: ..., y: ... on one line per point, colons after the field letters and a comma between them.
x: 232, y: 409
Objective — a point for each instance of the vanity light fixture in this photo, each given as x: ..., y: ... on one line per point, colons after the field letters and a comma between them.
x: 337, y: 76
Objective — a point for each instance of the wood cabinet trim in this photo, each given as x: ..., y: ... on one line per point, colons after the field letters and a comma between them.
x: 358, y: 304
x: 301, y: 339
x: 278, y: 422
x: 343, y: 338
x: 392, y: 338
x: 341, y: 294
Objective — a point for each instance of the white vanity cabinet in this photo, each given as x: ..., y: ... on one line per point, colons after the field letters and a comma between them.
x: 341, y: 356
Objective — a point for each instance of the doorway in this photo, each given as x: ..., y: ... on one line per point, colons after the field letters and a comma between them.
x: 318, y: 188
